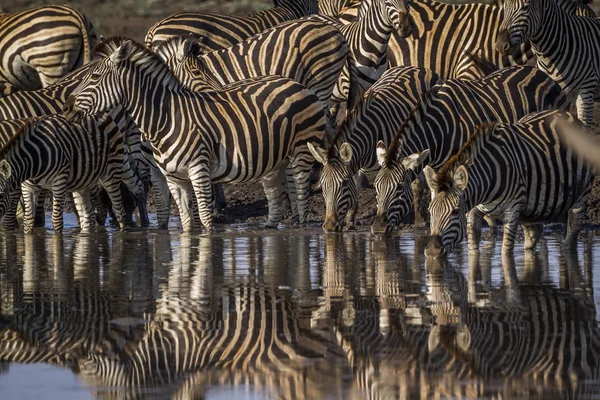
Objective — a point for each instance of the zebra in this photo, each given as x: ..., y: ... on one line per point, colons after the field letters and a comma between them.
x: 567, y: 46
x: 519, y: 170
x: 221, y: 31
x: 41, y: 45
x: 6, y: 88
x: 77, y: 156
x: 442, y: 121
x: 352, y: 151
x: 269, y: 120
x: 50, y: 100
x: 316, y: 55
x: 368, y: 39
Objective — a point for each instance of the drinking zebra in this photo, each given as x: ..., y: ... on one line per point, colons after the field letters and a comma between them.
x: 519, y: 170
x: 377, y: 117
x: 221, y: 31
x: 242, y: 133
x: 567, y: 46
x: 75, y: 157
x: 442, y: 122
x: 41, y: 45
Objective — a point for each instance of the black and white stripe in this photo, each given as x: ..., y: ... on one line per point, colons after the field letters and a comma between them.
x: 220, y: 31
x: 243, y: 133
x: 41, y: 45
x: 444, y: 119
x: 55, y: 154
x: 312, y: 53
x: 517, y: 170
x: 377, y: 117
x: 567, y: 46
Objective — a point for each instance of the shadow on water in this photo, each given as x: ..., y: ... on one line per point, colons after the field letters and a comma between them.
x: 297, y: 314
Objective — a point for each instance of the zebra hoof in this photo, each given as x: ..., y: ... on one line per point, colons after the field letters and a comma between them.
x: 271, y: 225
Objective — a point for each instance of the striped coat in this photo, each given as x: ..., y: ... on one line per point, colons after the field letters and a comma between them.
x: 269, y: 120
x: 220, y: 31
x: 41, y: 45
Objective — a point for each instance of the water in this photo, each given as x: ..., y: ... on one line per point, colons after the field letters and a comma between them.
x: 249, y: 313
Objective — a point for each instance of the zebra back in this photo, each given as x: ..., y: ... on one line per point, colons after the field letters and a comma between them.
x: 62, y: 39
x: 220, y: 31
x: 461, y: 50
x: 316, y: 60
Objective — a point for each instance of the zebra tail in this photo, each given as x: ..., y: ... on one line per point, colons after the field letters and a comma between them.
x: 88, y: 36
x: 355, y: 91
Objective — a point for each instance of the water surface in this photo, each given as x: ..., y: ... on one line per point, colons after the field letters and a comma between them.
x: 294, y: 313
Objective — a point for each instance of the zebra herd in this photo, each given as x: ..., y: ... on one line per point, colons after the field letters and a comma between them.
x: 390, y: 89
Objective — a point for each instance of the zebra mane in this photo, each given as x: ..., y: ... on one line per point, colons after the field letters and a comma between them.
x: 443, y: 178
x: 168, y: 49
x: 23, y: 129
x: 395, y: 143
x: 145, y: 58
x: 107, y: 46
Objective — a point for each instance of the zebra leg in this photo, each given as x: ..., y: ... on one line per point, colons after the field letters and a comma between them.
x: 220, y: 203
x: 532, y: 235
x: 162, y: 197
x: 84, y: 207
x: 58, y: 203
x: 113, y: 188
x: 420, y: 209
x: 585, y: 106
x: 574, y: 224
x: 511, y: 225
x: 474, y: 218
x: 491, y: 224
x: 273, y: 187
x: 30, y: 195
x: 201, y: 182
x: 182, y: 201
x: 100, y: 206
x: 39, y: 220
x: 136, y: 187
x: 9, y: 221
x: 301, y: 167
x: 291, y: 191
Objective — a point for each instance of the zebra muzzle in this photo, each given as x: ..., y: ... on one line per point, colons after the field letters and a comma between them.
x: 503, y: 45
x: 435, y: 248
x: 331, y: 224
x: 381, y: 225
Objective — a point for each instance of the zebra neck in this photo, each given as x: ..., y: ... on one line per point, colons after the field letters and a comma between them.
x: 550, y: 38
x: 372, y: 33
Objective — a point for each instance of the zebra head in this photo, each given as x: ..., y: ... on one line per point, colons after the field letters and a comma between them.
x: 447, y: 209
x: 521, y: 22
x: 393, y: 187
x: 100, y: 89
x: 5, y: 186
x: 397, y: 11
x: 337, y: 183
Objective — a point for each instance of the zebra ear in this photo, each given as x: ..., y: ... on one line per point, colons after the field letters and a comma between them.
x: 189, y: 48
x: 414, y: 161
x: 463, y: 337
x: 434, y: 338
x: 460, y: 178
x: 429, y: 176
x: 122, y: 53
x: 381, y: 152
x: 318, y: 153
x: 345, y: 152
x: 5, y: 169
